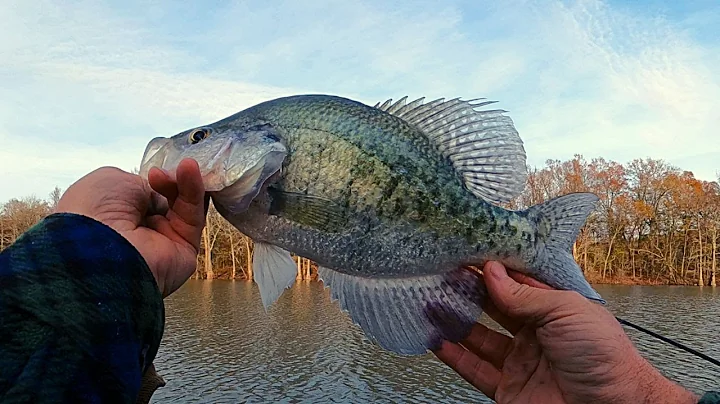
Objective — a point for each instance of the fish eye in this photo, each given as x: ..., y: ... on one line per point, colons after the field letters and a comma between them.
x: 198, y: 134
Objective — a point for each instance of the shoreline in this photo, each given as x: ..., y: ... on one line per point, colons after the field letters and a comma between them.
x: 593, y: 280
x: 629, y: 281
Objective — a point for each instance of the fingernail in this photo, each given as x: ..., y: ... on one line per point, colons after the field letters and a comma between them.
x: 162, y: 170
x: 497, y: 271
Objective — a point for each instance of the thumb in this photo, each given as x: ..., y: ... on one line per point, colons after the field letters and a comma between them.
x: 531, y: 304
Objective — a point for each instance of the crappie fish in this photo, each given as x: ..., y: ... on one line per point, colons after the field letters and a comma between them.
x: 391, y: 201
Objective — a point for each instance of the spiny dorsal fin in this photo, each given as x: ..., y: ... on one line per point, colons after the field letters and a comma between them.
x: 483, y: 146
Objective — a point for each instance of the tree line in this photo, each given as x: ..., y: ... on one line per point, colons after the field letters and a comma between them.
x: 654, y: 224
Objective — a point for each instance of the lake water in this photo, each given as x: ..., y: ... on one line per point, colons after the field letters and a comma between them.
x: 221, y: 347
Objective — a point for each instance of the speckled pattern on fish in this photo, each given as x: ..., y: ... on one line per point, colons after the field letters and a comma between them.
x: 391, y: 201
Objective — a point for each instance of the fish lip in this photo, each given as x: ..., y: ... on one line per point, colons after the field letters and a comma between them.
x: 153, y: 149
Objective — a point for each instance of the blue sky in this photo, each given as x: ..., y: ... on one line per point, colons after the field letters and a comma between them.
x: 86, y: 84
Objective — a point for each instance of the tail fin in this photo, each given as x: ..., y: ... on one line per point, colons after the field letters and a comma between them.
x: 559, y: 221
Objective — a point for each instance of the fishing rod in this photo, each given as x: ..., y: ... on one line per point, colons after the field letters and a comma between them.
x: 670, y: 341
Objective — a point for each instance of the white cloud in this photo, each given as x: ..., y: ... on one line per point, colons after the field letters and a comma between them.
x: 89, y: 86
x: 623, y: 87
x: 162, y: 104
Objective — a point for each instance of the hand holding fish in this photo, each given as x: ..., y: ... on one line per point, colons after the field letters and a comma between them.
x: 163, y: 218
x: 565, y: 350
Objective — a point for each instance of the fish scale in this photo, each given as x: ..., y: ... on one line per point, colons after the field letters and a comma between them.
x: 391, y: 202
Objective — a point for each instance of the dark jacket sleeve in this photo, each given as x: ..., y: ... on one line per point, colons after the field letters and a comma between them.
x: 81, y: 316
x: 710, y: 397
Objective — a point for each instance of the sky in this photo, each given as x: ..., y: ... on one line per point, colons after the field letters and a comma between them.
x: 85, y: 84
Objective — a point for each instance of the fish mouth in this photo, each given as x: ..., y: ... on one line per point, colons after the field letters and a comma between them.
x: 232, y: 171
x: 154, y: 156
x: 221, y: 167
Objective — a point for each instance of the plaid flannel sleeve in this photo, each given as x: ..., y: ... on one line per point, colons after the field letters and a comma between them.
x: 81, y: 316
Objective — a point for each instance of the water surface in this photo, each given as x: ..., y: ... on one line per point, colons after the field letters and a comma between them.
x: 221, y: 347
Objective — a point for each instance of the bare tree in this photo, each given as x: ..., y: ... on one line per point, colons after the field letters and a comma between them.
x: 55, y: 196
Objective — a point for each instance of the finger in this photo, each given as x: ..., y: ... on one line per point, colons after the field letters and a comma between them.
x: 158, y: 204
x: 191, y: 191
x: 527, y: 280
x: 487, y: 344
x: 518, y: 276
x: 187, y: 214
x: 481, y: 374
x: 524, y: 302
x: 162, y: 225
x: 512, y: 324
x: 161, y: 182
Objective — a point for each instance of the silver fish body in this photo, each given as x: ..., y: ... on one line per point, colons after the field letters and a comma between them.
x: 391, y: 201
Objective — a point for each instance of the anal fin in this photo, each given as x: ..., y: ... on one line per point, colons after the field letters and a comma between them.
x: 274, y: 271
x: 409, y: 315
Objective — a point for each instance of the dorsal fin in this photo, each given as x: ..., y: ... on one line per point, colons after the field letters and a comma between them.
x: 483, y: 146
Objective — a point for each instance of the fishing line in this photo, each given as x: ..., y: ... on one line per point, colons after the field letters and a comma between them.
x: 670, y: 341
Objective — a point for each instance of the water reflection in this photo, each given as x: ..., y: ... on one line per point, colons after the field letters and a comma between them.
x: 220, y: 346
x: 688, y: 315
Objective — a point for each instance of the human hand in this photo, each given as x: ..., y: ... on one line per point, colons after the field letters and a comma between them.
x: 564, y: 349
x: 161, y: 217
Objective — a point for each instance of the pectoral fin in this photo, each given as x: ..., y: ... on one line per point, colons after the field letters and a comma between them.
x: 309, y: 210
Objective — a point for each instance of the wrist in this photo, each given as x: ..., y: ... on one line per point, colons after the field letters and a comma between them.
x: 158, y: 275
x: 653, y: 387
